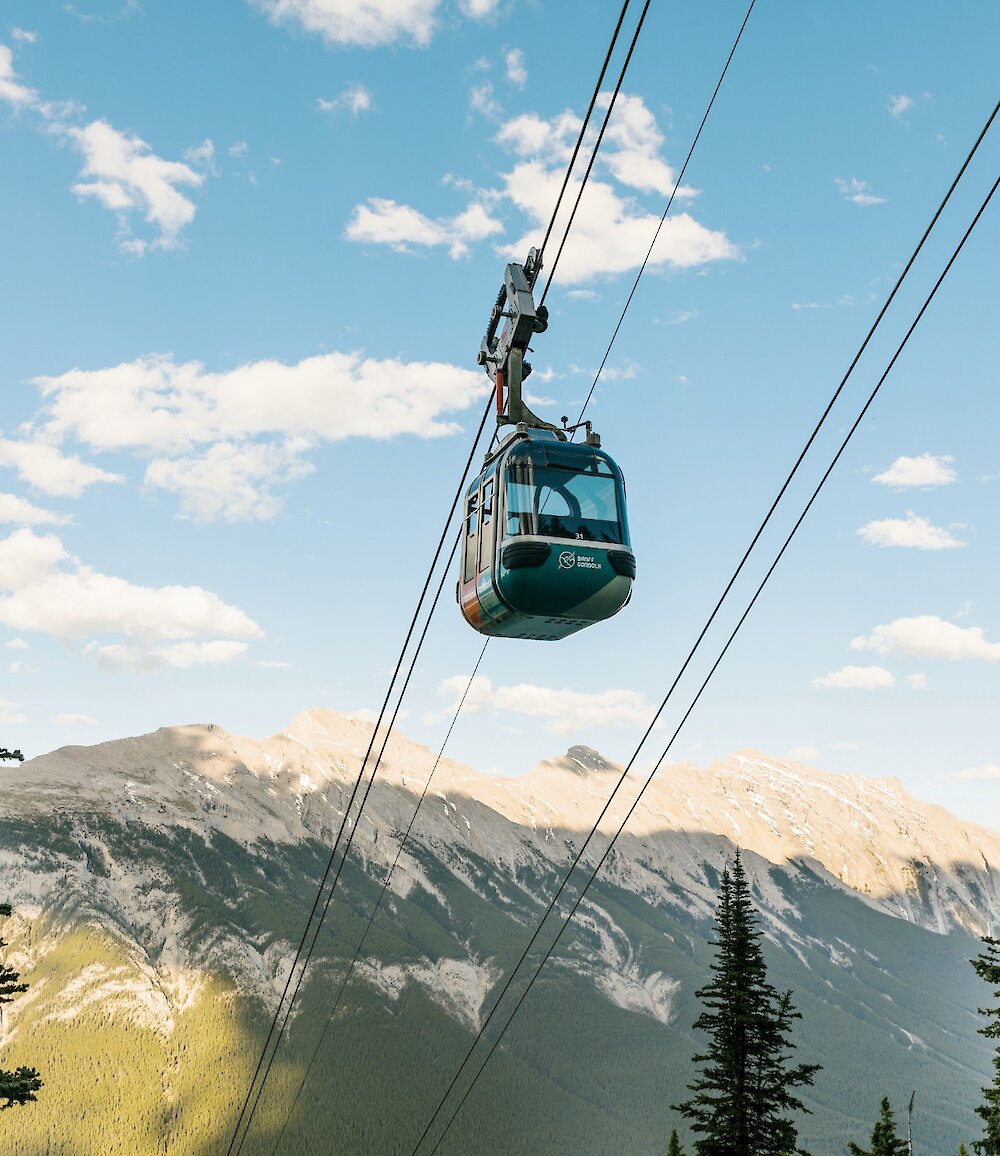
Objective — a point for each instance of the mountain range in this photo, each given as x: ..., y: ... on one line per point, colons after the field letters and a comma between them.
x: 161, y: 885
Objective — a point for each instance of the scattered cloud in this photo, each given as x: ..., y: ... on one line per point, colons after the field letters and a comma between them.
x: 479, y: 9
x: 923, y: 471
x: 482, y: 99
x: 899, y: 105
x: 46, y: 590
x: 383, y: 222
x: 17, y: 644
x: 45, y: 467
x: 912, y: 532
x: 566, y: 710
x: 355, y: 99
x: 849, y: 745
x: 517, y: 74
x: 916, y: 681
x: 120, y: 171
x: 231, y: 480
x: 125, y: 176
x: 23, y: 35
x: 22, y: 512
x: 74, y: 720
x: 857, y: 192
x: 14, y: 93
x: 986, y: 771
x: 611, y: 232
x: 683, y: 316
x: 927, y: 636
x: 855, y: 678
x: 223, y: 441
x: 803, y: 754
x: 239, y: 149
x: 10, y: 713
x: 152, y: 659
x: 367, y: 24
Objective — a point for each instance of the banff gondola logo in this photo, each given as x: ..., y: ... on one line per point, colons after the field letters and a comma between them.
x: 567, y: 560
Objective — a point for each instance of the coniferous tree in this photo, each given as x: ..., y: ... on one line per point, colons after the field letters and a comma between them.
x: 962, y: 1150
x: 19, y: 1086
x: 674, y: 1148
x: 884, y: 1141
x: 744, y: 1092
x: 987, y: 967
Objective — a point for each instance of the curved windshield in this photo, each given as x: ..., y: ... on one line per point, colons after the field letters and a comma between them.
x: 563, y: 503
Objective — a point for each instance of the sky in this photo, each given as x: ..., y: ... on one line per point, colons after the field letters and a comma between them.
x: 249, y: 253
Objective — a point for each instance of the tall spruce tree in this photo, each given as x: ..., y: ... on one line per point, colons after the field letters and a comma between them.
x: 744, y: 1094
x: 19, y: 1086
x: 674, y: 1147
x: 987, y: 967
x: 884, y: 1141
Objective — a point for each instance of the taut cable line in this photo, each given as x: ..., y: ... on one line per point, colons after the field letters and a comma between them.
x: 715, y: 665
x: 697, y: 644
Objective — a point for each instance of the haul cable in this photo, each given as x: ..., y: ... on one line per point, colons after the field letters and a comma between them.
x: 719, y: 604
x: 381, y: 896
x: 266, y: 1064
x: 722, y: 654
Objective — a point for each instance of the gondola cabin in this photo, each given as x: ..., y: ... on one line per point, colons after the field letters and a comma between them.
x: 545, y: 544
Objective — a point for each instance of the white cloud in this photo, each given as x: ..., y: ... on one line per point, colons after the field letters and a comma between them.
x: 912, y: 531
x: 483, y: 101
x: 383, y: 222
x: 18, y: 510
x: 222, y: 441
x: 19, y: 95
x: 74, y: 720
x: 857, y: 192
x: 17, y: 644
x: 42, y: 465
x: 611, y: 232
x: 10, y: 713
x: 239, y: 149
x: 355, y: 98
x: 848, y: 745
x: 610, y: 235
x: 26, y: 557
x: 898, y: 105
x: 803, y: 754
x: 479, y: 9
x: 52, y: 593
x: 567, y: 710
x: 367, y: 23
x: 74, y: 604
x: 917, y: 681
x: 517, y: 74
x: 924, y: 470
x: 181, y: 656
x: 157, y: 406
x: 987, y: 771
x: 231, y: 481
x: 24, y: 35
x: 124, y: 175
x: 927, y: 636
x: 855, y: 678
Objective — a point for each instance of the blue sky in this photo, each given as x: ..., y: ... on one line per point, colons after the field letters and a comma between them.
x: 249, y: 253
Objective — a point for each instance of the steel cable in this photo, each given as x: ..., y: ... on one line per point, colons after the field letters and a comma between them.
x: 722, y: 654
x: 718, y: 607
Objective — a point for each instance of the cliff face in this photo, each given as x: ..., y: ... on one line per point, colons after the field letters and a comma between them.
x: 161, y: 885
